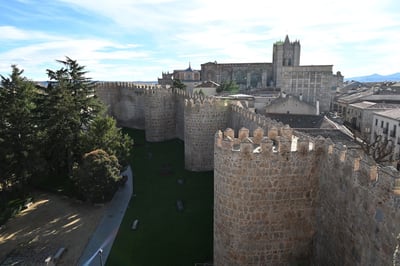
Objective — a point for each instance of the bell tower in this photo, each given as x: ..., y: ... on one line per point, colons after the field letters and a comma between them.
x: 285, y: 54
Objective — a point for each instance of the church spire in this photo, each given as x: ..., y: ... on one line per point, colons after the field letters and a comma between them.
x: 287, y: 39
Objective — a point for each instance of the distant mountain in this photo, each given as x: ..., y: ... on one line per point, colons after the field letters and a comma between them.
x: 377, y: 78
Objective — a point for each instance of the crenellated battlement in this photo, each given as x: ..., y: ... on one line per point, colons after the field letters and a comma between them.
x: 127, y: 85
x: 158, y: 91
x: 254, y: 120
x: 275, y: 142
x: 272, y: 184
x: 365, y: 169
x: 196, y: 102
x: 285, y: 142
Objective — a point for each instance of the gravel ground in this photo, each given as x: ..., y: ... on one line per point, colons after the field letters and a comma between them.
x: 50, y: 223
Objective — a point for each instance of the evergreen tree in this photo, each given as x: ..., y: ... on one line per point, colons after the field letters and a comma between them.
x: 177, y: 83
x: 68, y: 107
x: 230, y: 87
x: 97, y: 178
x: 17, y: 128
x: 104, y: 134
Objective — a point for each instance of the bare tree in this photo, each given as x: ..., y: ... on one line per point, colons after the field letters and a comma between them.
x: 380, y: 149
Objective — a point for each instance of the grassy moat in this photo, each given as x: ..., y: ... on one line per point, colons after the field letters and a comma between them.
x: 165, y: 235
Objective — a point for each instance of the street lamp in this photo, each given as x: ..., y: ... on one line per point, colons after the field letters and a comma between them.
x: 101, y: 256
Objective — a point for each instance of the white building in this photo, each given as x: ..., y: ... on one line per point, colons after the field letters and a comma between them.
x: 387, y: 124
x: 360, y: 116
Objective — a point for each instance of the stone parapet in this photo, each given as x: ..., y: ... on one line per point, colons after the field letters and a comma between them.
x: 264, y: 196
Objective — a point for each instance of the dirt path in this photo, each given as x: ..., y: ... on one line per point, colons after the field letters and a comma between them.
x: 50, y: 223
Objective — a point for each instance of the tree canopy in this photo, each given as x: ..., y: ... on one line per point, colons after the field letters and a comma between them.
x: 177, y: 83
x: 17, y: 127
x: 230, y: 86
x: 97, y: 177
x: 48, y: 132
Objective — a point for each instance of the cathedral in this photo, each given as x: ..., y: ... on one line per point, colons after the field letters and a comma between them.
x: 315, y: 84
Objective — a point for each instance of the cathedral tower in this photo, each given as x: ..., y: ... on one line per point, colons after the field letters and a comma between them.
x: 284, y: 54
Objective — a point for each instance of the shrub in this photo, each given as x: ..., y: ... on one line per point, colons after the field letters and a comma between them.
x: 98, y: 177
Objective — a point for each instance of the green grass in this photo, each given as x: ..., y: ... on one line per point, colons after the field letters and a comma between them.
x: 165, y: 236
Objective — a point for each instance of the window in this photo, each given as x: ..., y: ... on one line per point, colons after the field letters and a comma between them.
x: 386, y: 129
x: 376, y: 122
x: 381, y: 124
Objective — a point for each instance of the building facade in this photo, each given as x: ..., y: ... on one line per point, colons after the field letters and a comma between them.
x: 387, y: 124
x: 314, y: 83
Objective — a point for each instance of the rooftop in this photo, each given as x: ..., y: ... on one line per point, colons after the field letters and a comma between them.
x: 335, y: 135
x: 363, y: 105
x: 383, y: 97
x: 208, y: 84
x: 298, y: 121
x: 392, y: 113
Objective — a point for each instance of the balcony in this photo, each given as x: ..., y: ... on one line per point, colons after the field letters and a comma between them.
x: 385, y: 130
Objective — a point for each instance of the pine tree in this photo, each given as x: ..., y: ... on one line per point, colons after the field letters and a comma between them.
x: 104, y: 134
x: 68, y: 107
x: 17, y: 128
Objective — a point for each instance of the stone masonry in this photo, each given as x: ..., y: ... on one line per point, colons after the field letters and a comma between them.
x: 264, y: 199
x: 281, y: 197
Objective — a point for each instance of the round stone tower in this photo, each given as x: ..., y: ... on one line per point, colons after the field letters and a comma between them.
x: 159, y: 113
x: 203, y: 117
x: 264, y: 199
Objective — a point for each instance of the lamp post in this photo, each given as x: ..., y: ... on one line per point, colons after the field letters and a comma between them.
x: 101, y: 256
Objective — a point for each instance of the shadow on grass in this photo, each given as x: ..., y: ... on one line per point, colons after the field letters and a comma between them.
x: 165, y: 235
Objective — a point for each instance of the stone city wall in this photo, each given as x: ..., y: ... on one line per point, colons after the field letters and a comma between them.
x: 241, y: 117
x: 280, y: 197
x: 180, y: 96
x: 203, y: 117
x: 359, y: 210
x: 264, y: 199
x: 125, y: 101
x: 160, y: 115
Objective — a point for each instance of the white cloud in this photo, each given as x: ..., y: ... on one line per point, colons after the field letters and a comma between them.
x: 40, y: 55
x: 13, y: 33
x: 145, y: 37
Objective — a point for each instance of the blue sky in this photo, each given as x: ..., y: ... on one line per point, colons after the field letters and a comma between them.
x: 130, y: 40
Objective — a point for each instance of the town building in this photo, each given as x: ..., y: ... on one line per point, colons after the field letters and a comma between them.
x: 387, y: 124
x: 315, y: 83
x: 189, y: 77
x: 359, y: 116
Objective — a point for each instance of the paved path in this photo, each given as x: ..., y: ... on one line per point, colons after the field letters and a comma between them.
x: 105, y: 233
